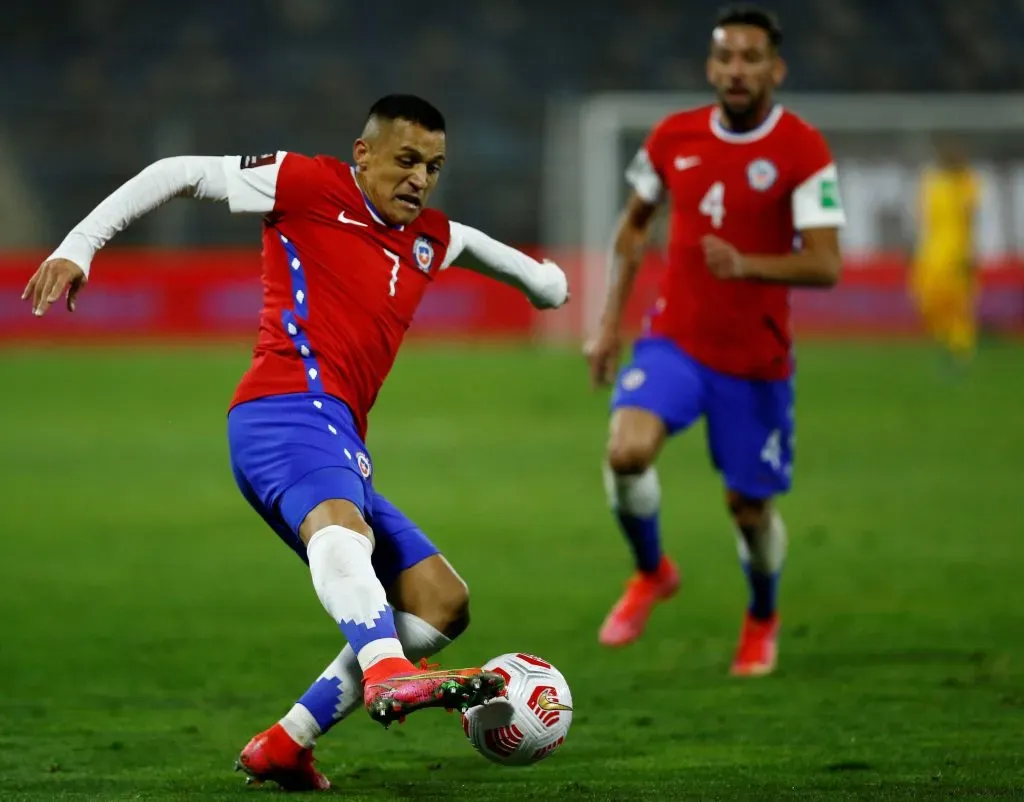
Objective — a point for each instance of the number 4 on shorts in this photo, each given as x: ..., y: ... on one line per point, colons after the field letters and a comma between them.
x: 771, y: 451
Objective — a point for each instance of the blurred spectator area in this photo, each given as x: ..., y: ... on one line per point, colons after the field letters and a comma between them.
x: 96, y: 89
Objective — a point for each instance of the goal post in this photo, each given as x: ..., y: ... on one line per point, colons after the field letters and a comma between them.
x: 880, y: 142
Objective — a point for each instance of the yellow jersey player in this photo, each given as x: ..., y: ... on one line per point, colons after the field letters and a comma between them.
x: 943, y: 273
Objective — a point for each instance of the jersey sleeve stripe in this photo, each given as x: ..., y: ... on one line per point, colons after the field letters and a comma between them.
x: 291, y: 318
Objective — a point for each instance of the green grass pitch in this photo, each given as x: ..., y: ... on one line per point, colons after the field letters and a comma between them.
x: 151, y: 624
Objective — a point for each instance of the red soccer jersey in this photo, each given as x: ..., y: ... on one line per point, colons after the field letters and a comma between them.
x: 755, y: 190
x: 340, y: 286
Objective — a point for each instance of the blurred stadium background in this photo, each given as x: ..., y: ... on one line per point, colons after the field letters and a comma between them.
x: 130, y: 570
x: 545, y: 102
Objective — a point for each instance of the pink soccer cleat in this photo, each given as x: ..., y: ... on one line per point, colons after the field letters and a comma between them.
x: 393, y: 697
x: 273, y: 756
x: 758, y: 648
x: 628, y: 618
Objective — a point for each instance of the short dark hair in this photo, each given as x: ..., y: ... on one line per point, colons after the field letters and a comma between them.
x: 408, y: 107
x: 748, y: 14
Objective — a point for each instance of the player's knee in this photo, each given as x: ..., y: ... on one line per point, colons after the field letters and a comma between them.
x: 458, y: 617
x: 627, y: 456
x: 433, y: 591
x: 634, y: 440
x: 334, y: 512
x: 450, y: 610
x: 747, y: 512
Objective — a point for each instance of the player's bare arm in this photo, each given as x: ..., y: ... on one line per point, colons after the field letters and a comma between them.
x: 817, y: 264
x: 631, y: 235
x: 67, y: 268
x: 543, y: 282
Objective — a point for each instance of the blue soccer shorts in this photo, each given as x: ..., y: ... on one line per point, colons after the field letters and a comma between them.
x: 749, y: 424
x: 291, y: 452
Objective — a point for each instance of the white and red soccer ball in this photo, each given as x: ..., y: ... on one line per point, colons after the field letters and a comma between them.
x: 530, y: 720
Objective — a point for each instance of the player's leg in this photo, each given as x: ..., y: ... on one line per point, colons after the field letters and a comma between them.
x: 656, y: 395
x: 750, y: 435
x: 927, y: 295
x: 962, y: 332
x: 946, y: 303
x: 761, y: 543
x: 302, y: 461
x: 256, y: 443
x: 431, y: 605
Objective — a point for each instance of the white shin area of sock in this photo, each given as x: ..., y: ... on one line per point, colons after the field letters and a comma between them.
x: 633, y: 494
x: 348, y: 588
x: 765, y: 553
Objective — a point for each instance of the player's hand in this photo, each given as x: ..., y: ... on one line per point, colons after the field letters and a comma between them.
x: 53, y: 277
x: 602, y: 353
x: 722, y: 259
x: 561, y: 290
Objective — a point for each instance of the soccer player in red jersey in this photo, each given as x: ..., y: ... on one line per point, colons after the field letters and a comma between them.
x: 348, y: 251
x: 755, y: 210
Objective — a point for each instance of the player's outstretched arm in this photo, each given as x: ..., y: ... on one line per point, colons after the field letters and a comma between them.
x: 544, y: 282
x: 67, y: 268
x: 627, y: 254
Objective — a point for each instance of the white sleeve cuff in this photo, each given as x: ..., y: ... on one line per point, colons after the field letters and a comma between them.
x: 543, y: 283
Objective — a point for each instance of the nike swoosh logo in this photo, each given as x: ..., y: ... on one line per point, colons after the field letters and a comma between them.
x: 686, y: 162
x: 545, y: 702
x: 346, y: 219
x: 456, y: 674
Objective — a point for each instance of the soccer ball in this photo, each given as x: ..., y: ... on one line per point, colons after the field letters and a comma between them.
x: 530, y: 720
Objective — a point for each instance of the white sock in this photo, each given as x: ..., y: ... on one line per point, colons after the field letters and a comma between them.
x: 301, y: 726
x: 348, y: 588
x: 633, y: 494
x: 418, y: 638
x: 766, y: 552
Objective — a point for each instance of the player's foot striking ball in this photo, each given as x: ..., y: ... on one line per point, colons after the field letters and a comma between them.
x: 755, y: 210
x: 349, y: 250
x: 392, y: 697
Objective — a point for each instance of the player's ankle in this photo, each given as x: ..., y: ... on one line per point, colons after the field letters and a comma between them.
x: 388, y: 667
x: 299, y: 727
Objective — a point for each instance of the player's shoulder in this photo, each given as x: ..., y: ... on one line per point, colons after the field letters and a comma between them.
x: 674, y: 131
x: 692, y: 120
x: 793, y: 127
x: 320, y: 165
x: 325, y: 166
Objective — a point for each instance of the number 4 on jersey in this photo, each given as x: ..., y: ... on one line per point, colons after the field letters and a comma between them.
x: 713, y: 204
